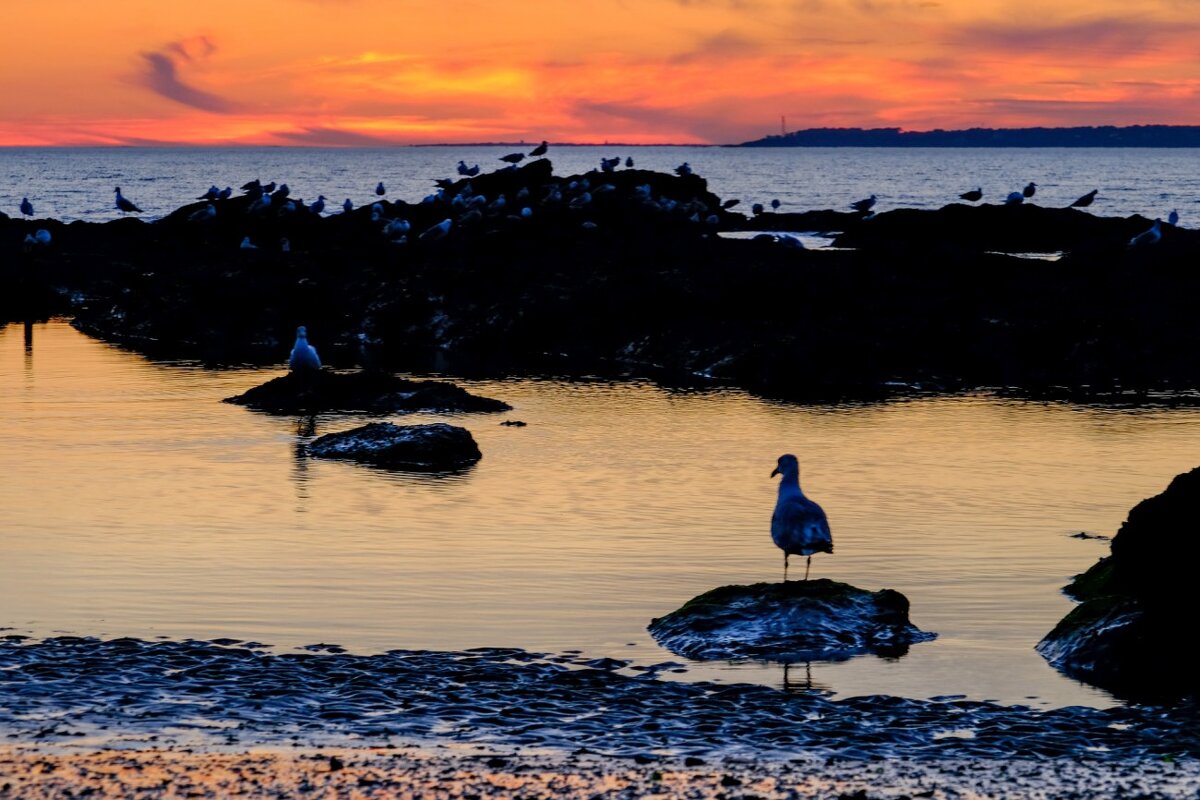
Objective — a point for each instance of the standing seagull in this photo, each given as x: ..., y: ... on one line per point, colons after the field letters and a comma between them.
x: 863, y: 206
x: 540, y: 150
x: 973, y: 196
x: 124, y: 205
x: 798, y: 526
x: 1147, y: 237
x: 304, y: 355
x: 1029, y: 190
x: 513, y: 158
x: 1086, y: 200
x: 26, y: 207
x: 380, y: 189
x: 1172, y: 218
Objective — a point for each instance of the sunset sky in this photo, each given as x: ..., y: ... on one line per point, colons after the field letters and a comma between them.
x: 351, y: 72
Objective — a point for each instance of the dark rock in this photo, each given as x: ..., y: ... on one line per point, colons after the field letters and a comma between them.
x: 793, y: 621
x: 432, y: 448
x: 1130, y: 634
x: 375, y: 392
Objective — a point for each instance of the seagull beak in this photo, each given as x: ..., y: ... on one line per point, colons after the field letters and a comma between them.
x: 774, y: 472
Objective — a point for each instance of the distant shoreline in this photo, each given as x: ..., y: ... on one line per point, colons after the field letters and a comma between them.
x: 1107, y: 136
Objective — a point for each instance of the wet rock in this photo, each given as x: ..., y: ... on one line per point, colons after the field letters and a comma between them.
x: 793, y: 621
x: 427, y: 448
x: 1131, y: 633
x: 375, y: 392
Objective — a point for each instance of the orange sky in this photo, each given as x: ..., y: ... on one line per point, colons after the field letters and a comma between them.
x: 411, y: 71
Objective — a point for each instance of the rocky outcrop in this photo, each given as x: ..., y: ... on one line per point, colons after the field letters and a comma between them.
x: 424, y: 448
x: 372, y: 392
x: 1133, y: 630
x: 820, y: 620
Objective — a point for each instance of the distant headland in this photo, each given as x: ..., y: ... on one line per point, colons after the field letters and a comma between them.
x: 1101, y: 136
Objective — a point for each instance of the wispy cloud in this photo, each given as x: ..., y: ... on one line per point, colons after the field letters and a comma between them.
x: 160, y: 74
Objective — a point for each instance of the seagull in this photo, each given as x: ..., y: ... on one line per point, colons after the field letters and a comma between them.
x: 540, y: 150
x: 247, y: 244
x: 212, y: 194
x: 347, y: 206
x: 259, y: 206
x: 26, y: 207
x: 206, y: 214
x: 304, y: 355
x: 41, y: 236
x: 268, y: 187
x: 863, y: 206
x: 1152, y: 235
x: 775, y: 204
x: 1014, y: 199
x: 683, y: 170
x: 610, y: 164
x: 252, y: 187
x: 1173, y: 218
x: 124, y: 205
x: 1029, y: 190
x: 225, y: 193
x: 319, y: 205
x: 757, y: 209
x: 1086, y: 200
x: 629, y: 162
x: 379, y: 189
x: 973, y: 196
x: 798, y: 526
x: 513, y: 158
x: 282, y: 192
x: 436, y: 232
x: 728, y: 204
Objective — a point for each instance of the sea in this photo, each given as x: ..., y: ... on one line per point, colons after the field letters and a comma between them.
x: 133, y: 502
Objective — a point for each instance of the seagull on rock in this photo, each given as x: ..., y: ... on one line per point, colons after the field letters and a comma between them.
x: 380, y: 189
x: 798, y: 526
x: 1153, y: 235
x: 683, y: 170
x: 1014, y: 199
x: 513, y: 158
x: 124, y: 205
x: 26, y: 207
x: 864, y: 205
x: 1086, y: 200
x: 1172, y: 218
x: 973, y: 196
x: 304, y: 355
x: 540, y: 150
x: 1030, y: 190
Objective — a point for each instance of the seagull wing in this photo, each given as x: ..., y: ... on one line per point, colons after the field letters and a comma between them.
x: 799, y: 527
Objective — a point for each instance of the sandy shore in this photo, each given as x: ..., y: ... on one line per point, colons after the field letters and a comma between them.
x: 413, y: 773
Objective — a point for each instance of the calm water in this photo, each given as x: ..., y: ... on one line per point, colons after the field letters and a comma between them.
x: 133, y: 502
x: 74, y: 184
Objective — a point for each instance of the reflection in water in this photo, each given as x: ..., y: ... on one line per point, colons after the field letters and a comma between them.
x: 801, y: 685
x: 136, y: 503
x: 306, y: 431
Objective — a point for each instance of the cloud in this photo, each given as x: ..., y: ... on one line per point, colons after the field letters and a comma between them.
x: 332, y: 137
x: 722, y: 46
x: 1115, y: 36
x: 160, y: 74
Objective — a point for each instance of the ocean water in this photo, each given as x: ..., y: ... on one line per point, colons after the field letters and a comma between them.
x: 134, y: 503
x: 71, y: 184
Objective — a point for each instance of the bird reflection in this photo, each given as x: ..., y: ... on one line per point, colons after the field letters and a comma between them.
x: 796, y: 685
x: 306, y: 430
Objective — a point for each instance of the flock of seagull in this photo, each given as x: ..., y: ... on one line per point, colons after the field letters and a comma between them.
x: 271, y: 196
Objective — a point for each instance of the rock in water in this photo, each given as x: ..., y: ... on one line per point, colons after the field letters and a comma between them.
x: 819, y: 620
x: 427, y: 448
x: 1132, y: 633
x: 374, y: 392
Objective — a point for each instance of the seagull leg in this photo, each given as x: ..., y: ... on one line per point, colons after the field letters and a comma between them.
x: 785, y: 558
x: 807, y: 568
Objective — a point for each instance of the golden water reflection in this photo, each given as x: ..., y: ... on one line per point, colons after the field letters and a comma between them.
x: 135, y: 503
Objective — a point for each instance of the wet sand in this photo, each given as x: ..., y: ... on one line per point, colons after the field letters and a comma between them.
x: 402, y: 773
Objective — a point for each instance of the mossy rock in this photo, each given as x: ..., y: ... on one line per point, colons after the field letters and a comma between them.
x: 820, y: 620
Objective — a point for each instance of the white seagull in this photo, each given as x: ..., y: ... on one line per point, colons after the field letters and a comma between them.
x: 304, y: 355
x: 798, y: 526
x: 1152, y: 235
